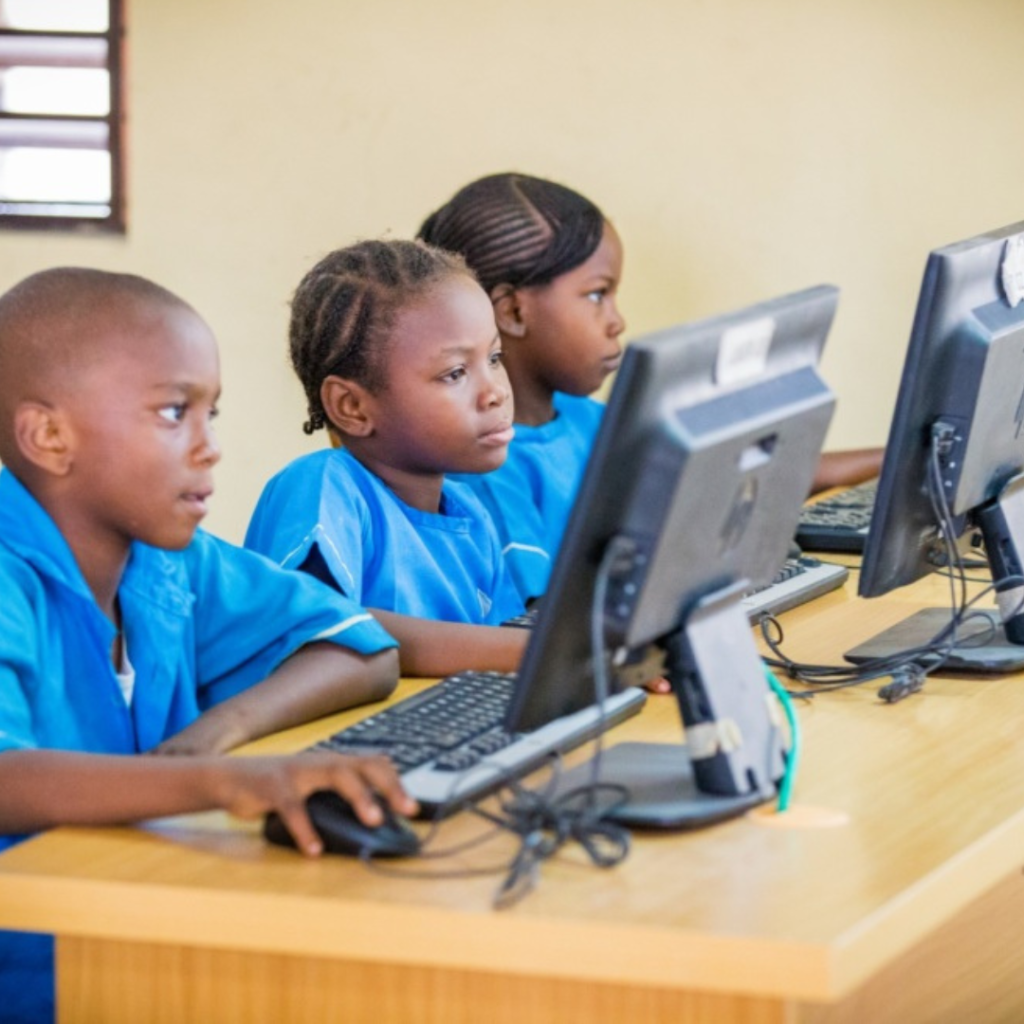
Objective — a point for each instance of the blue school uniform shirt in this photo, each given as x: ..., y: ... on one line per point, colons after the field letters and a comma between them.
x: 380, y: 551
x: 531, y: 495
x: 200, y: 624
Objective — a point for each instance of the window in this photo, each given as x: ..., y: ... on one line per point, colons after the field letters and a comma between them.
x: 61, y: 114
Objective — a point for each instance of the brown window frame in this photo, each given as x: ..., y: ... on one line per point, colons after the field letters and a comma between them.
x: 116, y: 222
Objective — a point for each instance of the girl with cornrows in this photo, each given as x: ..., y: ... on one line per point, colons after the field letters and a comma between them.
x: 396, y: 347
x: 551, y: 263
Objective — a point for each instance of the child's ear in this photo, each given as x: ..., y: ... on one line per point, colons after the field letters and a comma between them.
x: 347, y: 406
x: 44, y: 437
x: 508, y: 311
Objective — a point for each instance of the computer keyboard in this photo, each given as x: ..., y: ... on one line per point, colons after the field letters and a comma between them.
x: 450, y: 745
x: 449, y: 741
x: 839, y: 522
x: 801, y: 578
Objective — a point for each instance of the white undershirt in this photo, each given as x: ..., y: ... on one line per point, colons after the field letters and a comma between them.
x: 126, y: 674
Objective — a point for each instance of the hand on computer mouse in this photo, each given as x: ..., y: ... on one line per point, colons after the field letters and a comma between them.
x: 281, y: 785
x: 341, y: 831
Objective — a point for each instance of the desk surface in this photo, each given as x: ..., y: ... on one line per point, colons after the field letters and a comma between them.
x: 928, y: 795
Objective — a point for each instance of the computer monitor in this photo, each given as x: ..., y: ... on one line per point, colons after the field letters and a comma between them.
x: 956, y: 440
x: 691, y: 496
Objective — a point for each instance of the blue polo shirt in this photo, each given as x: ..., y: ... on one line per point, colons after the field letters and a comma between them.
x: 200, y: 624
x: 531, y: 495
x: 380, y: 551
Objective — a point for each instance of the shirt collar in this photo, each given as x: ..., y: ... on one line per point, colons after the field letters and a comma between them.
x: 28, y: 530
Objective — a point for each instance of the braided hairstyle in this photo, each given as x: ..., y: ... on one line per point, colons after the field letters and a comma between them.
x: 516, y: 230
x: 344, y: 308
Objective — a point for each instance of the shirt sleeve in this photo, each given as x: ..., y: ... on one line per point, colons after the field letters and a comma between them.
x: 520, y: 529
x: 19, y: 656
x: 505, y: 599
x: 313, y: 504
x: 251, y: 614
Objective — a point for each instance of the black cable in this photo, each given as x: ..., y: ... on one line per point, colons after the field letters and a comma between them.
x: 543, y: 821
x: 910, y: 667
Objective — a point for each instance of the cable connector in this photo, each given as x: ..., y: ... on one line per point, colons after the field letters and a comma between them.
x: 905, y: 681
x: 943, y: 437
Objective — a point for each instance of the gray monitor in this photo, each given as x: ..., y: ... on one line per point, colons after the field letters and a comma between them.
x: 692, y: 493
x: 957, y: 431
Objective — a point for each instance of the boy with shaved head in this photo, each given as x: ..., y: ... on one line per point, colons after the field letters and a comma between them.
x: 123, y: 630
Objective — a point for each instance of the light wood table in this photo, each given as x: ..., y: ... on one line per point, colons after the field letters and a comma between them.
x: 892, y: 892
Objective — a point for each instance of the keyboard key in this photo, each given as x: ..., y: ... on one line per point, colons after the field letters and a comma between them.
x: 457, y: 726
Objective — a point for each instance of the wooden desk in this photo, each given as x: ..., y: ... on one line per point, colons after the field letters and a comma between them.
x: 908, y: 911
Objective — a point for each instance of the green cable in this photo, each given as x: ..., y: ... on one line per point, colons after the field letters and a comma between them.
x: 786, y: 786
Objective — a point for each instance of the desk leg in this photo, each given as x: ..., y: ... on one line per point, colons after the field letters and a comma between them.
x: 136, y: 983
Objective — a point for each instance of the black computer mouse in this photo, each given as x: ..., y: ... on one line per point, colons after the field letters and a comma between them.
x: 342, y: 832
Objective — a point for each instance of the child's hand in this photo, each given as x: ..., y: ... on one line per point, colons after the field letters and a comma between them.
x: 250, y: 787
x: 659, y: 685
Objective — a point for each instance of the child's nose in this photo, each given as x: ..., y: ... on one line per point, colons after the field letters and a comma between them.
x: 498, y: 389
x: 616, y: 323
x: 208, y: 449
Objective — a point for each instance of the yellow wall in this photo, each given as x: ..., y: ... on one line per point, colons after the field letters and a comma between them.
x: 743, y: 149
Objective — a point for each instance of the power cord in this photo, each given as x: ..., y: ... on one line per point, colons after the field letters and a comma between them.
x: 905, y: 681
x: 543, y: 821
x: 908, y: 669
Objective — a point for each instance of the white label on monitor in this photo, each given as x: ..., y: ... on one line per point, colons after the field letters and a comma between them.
x: 743, y: 351
x: 1011, y: 602
x: 1013, y: 269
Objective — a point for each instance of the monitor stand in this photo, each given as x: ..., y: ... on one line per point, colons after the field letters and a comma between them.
x: 983, y: 648
x: 992, y: 653
x: 734, y: 753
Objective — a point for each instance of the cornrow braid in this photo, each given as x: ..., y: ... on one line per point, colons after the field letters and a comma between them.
x: 517, y: 230
x: 344, y: 308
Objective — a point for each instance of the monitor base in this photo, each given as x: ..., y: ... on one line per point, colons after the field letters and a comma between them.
x: 663, y: 793
x: 995, y: 656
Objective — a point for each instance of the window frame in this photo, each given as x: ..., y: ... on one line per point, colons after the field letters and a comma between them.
x: 117, y: 221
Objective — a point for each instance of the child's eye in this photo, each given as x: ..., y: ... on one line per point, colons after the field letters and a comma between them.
x: 597, y: 295
x: 173, y: 413
x: 497, y: 358
x: 213, y: 413
x: 452, y: 376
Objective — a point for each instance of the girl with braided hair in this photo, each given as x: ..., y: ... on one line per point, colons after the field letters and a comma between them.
x: 551, y: 263
x: 396, y: 347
